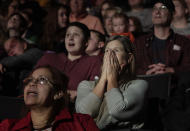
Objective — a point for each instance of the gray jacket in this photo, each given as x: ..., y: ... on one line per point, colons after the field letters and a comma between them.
x: 119, y: 105
x: 24, y: 61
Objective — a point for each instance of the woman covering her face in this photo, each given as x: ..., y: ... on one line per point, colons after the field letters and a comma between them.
x: 46, y: 97
x: 116, y: 99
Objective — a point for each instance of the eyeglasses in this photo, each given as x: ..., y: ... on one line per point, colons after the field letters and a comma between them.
x: 41, y: 80
x: 161, y: 8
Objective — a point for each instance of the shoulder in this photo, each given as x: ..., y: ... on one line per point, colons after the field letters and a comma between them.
x: 139, y: 85
x: 82, y: 117
x: 92, y: 17
x: 86, y: 84
x: 181, y: 41
x: 148, y: 11
x: 144, y: 38
x: 8, y: 124
x: 91, y: 59
x: 181, y: 38
x: 53, y: 55
x: 138, y: 82
x: 34, y: 51
x: 86, y: 121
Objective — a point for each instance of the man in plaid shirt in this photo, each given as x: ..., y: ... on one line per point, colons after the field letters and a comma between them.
x: 162, y: 51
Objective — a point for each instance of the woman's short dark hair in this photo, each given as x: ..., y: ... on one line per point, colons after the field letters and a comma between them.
x: 84, y: 28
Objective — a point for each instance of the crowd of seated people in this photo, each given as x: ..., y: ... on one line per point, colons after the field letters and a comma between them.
x: 87, y: 55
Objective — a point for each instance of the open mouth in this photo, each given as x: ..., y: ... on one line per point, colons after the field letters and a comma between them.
x: 32, y: 93
x: 71, y: 44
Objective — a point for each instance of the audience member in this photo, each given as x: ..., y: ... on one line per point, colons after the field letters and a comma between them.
x: 104, y: 6
x: 162, y: 51
x: 16, y: 25
x: 135, y: 26
x: 56, y: 22
x: 180, y: 24
x: 7, y: 10
x: 76, y: 65
x: 79, y: 14
x: 95, y: 44
x: 13, y: 7
x: 19, y: 62
x: 188, y: 6
x: 46, y: 97
x: 107, y: 19
x: 120, y: 23
x: 34, y: 14
x: 143, y: 14
x: 116, y: 99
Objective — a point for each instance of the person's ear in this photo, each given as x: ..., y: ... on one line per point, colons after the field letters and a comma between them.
x: 186, y: 11
x: 101, y: 44
x: 130, y: 57
x: 25, y: 46
x: 58, y: 95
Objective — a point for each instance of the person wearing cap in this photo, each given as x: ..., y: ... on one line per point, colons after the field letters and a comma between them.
x: 162, y: 51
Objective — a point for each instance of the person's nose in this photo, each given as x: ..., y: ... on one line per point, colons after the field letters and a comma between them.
x: 33, y: 82
x: 71, y: 37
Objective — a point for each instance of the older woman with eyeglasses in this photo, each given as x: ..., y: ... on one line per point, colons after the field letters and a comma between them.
x: 46, y: 96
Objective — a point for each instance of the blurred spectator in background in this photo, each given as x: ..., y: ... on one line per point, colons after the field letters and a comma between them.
x: 16, y: 66
x: 107, y: 19
x: 121, y: 26
x: 13, y: 7
x: 16, y: 25
x: 79, y: 14
x: 143, y: 14
x: 34, y: 14
x: 180, y: 24
x: 120, y: 23
x: 104, y: 6
x: 135, y: 26
x: 55, y: 26
x: 188, y: 6
x: 95, y: 44
x: 7, y: 10
x: 162, y: 51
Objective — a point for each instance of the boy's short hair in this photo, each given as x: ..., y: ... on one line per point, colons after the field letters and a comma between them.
x: 100, y: 36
